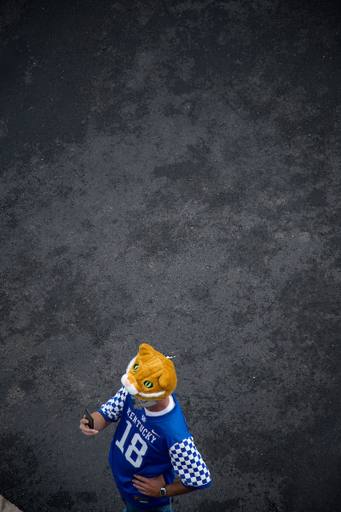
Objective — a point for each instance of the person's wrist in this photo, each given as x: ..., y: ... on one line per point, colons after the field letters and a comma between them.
x: 163, y: 491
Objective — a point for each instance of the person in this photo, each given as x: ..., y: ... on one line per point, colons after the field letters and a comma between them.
x: 151, y: 443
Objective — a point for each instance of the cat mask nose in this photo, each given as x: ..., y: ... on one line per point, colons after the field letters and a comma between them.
x: 128, y: 385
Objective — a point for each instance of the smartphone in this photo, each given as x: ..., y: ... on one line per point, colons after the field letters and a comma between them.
x: 90, y: 418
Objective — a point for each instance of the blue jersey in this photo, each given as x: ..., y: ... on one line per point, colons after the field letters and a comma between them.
x: 149, y: 446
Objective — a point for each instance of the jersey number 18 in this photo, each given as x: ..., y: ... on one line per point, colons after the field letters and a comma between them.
x: 137, y: 446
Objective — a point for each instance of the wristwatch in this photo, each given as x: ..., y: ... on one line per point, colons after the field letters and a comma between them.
x: 163, y: 492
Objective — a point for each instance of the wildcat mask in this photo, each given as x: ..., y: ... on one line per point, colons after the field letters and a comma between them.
x: 150, y: 375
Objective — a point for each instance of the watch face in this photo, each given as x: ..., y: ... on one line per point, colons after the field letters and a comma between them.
x: 163, y: 491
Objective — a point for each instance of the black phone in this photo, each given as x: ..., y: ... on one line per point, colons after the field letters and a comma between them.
x: 90, y: 418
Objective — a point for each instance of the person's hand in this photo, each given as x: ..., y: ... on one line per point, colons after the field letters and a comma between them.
x: 149, y: 486
x: 85, y: 427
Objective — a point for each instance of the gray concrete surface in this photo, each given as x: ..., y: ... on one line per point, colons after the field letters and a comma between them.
x: 170, y: 174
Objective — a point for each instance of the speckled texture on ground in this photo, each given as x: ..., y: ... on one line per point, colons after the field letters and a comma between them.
x: 170, y: 174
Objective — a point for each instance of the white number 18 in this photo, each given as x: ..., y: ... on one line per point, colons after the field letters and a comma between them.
x: 133, y: 447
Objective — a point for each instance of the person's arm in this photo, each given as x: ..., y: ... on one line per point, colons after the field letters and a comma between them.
x: 176, y: 488
x: 188, y: 463
x: 100, y: 423
x: 108, y: 413
x: 152, y: 486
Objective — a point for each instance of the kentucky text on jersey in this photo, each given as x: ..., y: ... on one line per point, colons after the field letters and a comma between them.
x: 144, y: 431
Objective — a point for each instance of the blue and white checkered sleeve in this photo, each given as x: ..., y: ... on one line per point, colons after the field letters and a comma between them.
x: 112, y: 410
x: 189, y: 464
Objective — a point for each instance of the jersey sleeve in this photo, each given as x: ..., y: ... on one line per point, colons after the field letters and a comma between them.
x: 112, y: 410
x: 189, y: 464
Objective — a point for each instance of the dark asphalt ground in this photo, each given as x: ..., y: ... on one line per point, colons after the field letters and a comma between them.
x: 170, y: 174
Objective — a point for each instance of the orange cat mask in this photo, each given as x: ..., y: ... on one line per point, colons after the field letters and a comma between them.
x: 150, y: 375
